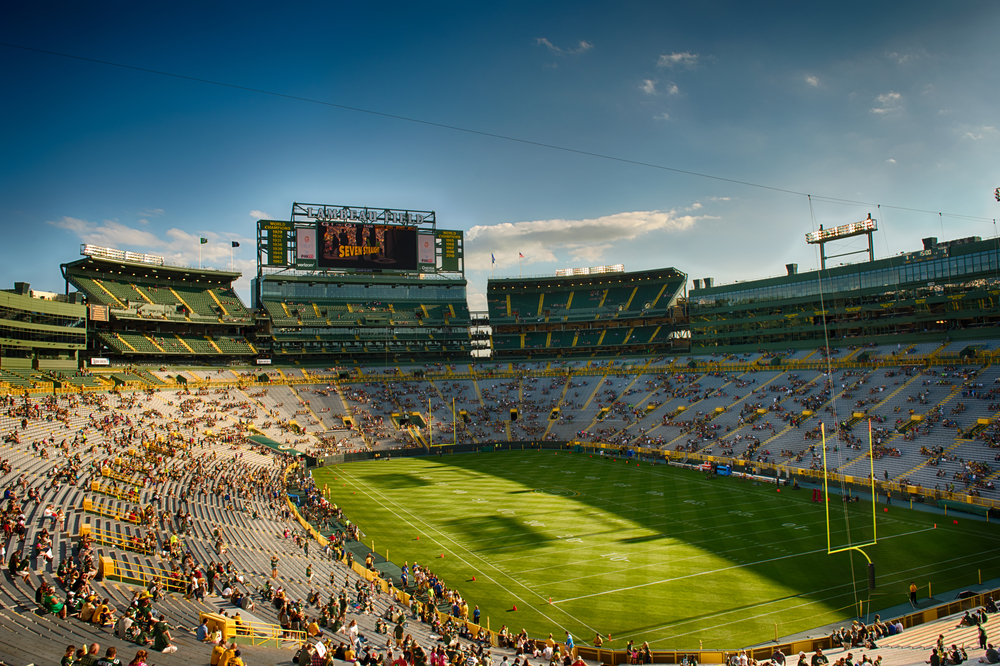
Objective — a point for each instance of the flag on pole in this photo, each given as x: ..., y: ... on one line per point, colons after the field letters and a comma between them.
x: 204, y: 240
x: 235, y: 244
x: 520, y: 256
x: 493, y: 257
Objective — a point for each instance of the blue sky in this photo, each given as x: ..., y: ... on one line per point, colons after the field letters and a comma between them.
x: 882, y: 103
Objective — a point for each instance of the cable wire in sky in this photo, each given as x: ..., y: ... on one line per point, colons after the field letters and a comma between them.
x: 492, y: 135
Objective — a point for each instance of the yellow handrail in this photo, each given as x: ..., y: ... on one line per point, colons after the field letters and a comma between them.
x: 112, y: 474
x: 144, y: 574
x: 107, y: 538
x: 103, y: 508
x: 256, y: 633
x: 131, y: 494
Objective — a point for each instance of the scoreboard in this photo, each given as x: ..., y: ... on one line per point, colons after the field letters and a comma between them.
x: 277, y: 240
x: 449, y: 244
x: 359, y: 240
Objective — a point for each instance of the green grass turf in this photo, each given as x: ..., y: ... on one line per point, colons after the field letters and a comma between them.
x: 648, y: 553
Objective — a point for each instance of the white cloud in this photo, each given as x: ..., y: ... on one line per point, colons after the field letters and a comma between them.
x: 719, y: 198
x: 590, y: 254
x: 546, y: 241
x: 981, y: 132
x: 179, y: 247
x: 905, y: 57
x: 260, y: 215
x: 672, y: 60
x: 662, y: 116
x: 890, y: 161
x: 581, y: 48
x: 109, y: 233
x: 813, y: 81
x: 649, y: 87
x: 889, y: 103
x: 151, y: 212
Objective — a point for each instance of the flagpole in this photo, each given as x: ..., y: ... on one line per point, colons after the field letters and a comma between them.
x: 199, y: 253
x: 230, y: 257
x: 518, y: 264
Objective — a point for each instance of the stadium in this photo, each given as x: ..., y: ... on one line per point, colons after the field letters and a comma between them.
x: 663, y: 469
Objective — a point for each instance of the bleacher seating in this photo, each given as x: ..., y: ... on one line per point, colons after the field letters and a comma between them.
x: 278, y: 315
x: 139, y: 343
x: 199, y: 345
x: 230, y: 345
x: 887, y: 393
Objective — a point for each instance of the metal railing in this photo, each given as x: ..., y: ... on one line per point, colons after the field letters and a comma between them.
x: 131, y: 494
x: 104, y: 508
x: 112, y: 474
x: 108, y: 538
x: 141, y: 574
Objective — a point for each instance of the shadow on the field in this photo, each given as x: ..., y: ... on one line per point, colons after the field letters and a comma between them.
x: 496, y: 533
x: 403, y: 481
x: 609, y: 538
x: 329, y: 475
x: 645, y: 539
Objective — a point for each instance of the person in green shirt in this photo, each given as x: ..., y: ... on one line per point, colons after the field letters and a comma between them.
x: 161, y: 636
x: 67, y: 659
x: 52, y: 603
x: 142, y: 636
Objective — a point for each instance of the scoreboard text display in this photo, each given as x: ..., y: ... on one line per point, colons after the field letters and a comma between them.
x: 277, y: 241
x: 450, y: 244
x: 367, y: 246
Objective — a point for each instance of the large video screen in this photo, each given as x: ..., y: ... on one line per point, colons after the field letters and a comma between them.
x: 366, y: 246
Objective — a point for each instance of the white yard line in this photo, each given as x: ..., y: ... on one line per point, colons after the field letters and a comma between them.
x: 401, y: 510
x: 716, y: 571
x: 902, y: 576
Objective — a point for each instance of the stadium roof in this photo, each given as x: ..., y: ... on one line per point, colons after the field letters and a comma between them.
x: 129, y: 268
x: 932, y: 251
x: 598, y: 278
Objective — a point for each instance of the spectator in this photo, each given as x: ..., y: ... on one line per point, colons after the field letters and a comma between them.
x: 161, y: 636
x: 90, y: 658
x: 228, y: 655
x: 110, y: 658
x: 202, y: 633
x: 139, y: 659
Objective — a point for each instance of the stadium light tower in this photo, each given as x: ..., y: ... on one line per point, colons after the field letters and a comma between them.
x: 824, y: 236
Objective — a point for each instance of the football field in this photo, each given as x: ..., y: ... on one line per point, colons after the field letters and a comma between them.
x: 648, y: 553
